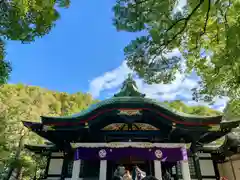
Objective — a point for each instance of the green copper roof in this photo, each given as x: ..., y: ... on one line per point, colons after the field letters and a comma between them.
x: 129, y: 88
x: 130, y: 97
x: 133, y: 101
x: 173, y: 125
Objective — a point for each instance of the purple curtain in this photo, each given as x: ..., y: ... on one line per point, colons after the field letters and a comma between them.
x: 163, y: 154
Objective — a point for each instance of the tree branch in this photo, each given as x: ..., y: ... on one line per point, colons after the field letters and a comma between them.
x: 207, y: 17
x: 187, y: 18
x: 224, y: 15
x: 205, y: 26
x: 184, y: 26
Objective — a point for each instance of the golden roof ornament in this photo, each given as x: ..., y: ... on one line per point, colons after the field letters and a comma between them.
x: 130, y: 112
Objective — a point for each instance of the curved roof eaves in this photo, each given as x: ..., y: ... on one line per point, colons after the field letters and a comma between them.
x: 113, y: 100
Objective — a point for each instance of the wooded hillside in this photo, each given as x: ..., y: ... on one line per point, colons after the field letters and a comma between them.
x: 197, y: 110
x: 19, y: 102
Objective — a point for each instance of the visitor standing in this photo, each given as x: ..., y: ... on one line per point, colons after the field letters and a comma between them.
x: 120, y: 171
x: 127, y: 176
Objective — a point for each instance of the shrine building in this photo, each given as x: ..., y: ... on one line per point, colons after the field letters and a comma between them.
x: 130, y: 129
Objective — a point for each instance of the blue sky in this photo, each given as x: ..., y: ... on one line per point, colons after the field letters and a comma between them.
x: 83, y: 45
x: 84, y: 52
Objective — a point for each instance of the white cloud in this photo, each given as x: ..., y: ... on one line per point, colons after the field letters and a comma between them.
x: 180, y: 88
x: 109, y: 80
x: 179, y: 5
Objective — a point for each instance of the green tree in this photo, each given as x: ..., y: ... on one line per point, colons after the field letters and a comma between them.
x: 232, y: 110
x: 20, y: 103
x: 201, y: 29
x: 194, y: 110
x: 24, y: 21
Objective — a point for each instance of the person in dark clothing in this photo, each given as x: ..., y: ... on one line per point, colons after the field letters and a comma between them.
x: 165, y: 174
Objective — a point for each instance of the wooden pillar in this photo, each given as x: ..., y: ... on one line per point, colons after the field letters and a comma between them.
x: 157, y: 169
x: 185, y: 170
x: 185, y: 166
x: 103, y: 170
x: 76, y: 169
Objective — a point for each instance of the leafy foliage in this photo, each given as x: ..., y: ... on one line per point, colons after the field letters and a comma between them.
x: 232, y: 110
x: 5, y: 67
x: 18, y: 103
x: 25, y: 20
x: 195, y: 110
x: 206, y: 32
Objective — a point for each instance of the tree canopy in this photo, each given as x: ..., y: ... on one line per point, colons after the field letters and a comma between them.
x: 24, y: 21
x: 206, y: 32
x: 232, y: 110
x: 195, y: 110
x: 20, y: 103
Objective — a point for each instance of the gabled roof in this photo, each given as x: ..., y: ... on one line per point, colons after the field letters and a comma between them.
x: 129, y: 98
x: 131, y: 107
x: 129, y: 102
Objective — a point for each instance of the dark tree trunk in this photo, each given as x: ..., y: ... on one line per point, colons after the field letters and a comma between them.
x: 17, y: 155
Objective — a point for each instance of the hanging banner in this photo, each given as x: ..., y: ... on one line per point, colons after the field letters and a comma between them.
x: 163, y: 154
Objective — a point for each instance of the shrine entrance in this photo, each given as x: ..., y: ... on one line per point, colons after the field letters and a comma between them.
x: 147, y: 158
x: 130, y: 162
x: 145, y: 165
